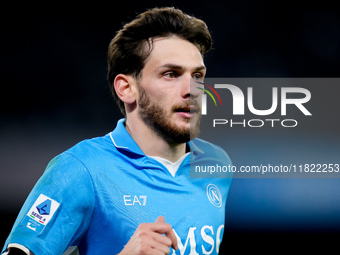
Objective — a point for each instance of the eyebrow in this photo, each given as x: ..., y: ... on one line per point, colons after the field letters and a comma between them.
x: 178, y: 67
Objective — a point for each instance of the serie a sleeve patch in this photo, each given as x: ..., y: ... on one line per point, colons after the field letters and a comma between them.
x: 40, y: 213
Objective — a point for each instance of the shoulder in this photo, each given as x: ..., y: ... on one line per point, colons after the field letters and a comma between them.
x: 210, y: 161
x: 204, y: 151
x: 92, y: 146
x: 95, y: 156
x: 92, y: 150
x: 79, y: 159
x: 209, y: 148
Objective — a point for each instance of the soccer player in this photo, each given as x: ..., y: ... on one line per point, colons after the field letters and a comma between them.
x: 130, y: 191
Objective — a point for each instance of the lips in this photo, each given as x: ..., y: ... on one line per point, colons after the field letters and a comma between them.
x: 187, y: 111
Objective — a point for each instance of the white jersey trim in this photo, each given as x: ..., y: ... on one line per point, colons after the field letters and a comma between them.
x: 18, y: 246
x: 121, y: 147
x: 72, y: 250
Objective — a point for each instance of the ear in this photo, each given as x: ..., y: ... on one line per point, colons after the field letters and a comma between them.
x: 124, y: 88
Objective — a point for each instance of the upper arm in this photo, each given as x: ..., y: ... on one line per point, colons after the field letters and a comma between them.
x: 58, y: 210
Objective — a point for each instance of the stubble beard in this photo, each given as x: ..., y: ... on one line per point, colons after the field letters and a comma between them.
x: 155, y: 117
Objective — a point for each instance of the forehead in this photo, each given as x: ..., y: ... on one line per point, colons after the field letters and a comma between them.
x: 176, y: 51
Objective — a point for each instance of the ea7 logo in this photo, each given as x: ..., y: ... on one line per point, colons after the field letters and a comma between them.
x: 134, y: 200
x: 239, y: 98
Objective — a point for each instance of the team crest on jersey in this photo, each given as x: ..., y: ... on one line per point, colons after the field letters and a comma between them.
x: 214, y: 195
x: 40, y: 213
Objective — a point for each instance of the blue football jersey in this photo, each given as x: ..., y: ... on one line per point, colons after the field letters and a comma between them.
x: 95, y: 195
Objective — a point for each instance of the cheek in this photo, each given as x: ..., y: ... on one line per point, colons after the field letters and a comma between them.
x: 160, y: 96
x: 160, y: 92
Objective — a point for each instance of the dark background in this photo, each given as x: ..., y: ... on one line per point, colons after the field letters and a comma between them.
x: 54, y: 94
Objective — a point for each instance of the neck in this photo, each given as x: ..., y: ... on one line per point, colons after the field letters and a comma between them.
x: 152, y: 144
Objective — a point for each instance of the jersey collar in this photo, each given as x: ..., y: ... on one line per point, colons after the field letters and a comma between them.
x: 123, y: 141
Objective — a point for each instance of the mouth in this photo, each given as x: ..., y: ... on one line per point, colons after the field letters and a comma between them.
x: 187, y: 112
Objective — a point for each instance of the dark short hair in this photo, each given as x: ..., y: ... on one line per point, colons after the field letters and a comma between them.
x: 127, y: 53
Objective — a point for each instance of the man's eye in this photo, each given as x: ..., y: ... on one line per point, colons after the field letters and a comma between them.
x: 170, y: 75
x: 197, y: 76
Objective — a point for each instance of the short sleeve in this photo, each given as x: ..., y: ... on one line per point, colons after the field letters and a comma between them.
x: 58, y: 210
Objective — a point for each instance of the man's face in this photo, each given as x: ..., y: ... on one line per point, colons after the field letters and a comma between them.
x: 169, y: 102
